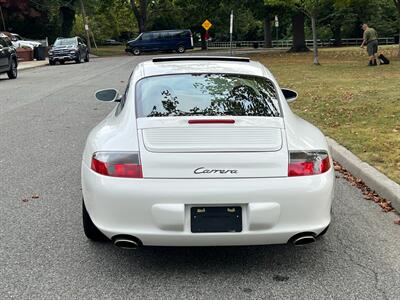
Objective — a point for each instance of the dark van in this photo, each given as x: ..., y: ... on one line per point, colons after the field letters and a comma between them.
x: 164, y: 40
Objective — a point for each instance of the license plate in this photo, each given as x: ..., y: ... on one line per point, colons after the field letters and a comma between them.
x: 216, y: 219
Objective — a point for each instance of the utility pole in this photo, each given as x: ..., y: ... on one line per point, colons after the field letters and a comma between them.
x: 2, y: 18
x: 86, y: 25
x: 231, y: 32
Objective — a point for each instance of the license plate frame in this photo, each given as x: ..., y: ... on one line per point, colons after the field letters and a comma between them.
x: 216, y: 219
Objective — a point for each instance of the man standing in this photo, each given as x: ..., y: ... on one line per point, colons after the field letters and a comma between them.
x: 371, y: 40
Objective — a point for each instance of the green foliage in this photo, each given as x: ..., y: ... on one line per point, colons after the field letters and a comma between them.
x: 107, y: 18
x: 115, y: 18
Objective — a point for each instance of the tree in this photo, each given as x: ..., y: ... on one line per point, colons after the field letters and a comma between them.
x: 311, y: 8
x: 266, y: 10
x: 299, y: 37
x: 397, y: 3
x: 139, y: 8
x: 67, y: 13
x: 107, y: 19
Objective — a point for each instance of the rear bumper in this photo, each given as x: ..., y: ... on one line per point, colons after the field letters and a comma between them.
x: 157, y: 211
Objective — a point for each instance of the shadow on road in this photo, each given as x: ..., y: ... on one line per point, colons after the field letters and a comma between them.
x: 277, y: 260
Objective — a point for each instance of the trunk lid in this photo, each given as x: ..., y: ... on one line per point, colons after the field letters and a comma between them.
x: 247, y: 147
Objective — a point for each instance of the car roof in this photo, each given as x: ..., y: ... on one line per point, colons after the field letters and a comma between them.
x: 168, y: 30
x: 67, y: 38
x: 202, y: 64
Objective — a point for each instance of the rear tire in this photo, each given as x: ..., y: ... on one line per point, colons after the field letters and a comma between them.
x: 87, y: 57
x: 91, y: 231
x: 181, y: 49
x: 52, y: 62
x: 62, y: 62
x: 136, y: 51
x: 13, y: 72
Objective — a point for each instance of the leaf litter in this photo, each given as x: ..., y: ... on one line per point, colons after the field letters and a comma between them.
x: 368, y: 194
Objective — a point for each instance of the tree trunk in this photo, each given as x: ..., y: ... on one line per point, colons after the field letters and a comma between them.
x: 337, y: 35
x: 398, y: 9
x: 315, y: 45
x: 67, y: 20
x: 397, y: 3
x: 140, y: 13
x: 267, y: 32
x: 299, y: 38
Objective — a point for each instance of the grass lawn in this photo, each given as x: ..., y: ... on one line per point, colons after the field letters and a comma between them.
x: 109, y: 50
x: 358, y: 106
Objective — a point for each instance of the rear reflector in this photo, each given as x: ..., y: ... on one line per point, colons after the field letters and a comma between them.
x: 117, y: 164
x: 212, y: 121
x: 304, y: 163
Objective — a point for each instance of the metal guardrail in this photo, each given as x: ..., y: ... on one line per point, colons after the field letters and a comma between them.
x: 289, y: 43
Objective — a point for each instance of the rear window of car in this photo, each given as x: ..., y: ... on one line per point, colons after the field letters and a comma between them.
x: 206, y: 95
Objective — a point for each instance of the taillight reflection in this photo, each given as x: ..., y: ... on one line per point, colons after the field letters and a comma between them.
x: 117, y: 164
x: 304, y: 163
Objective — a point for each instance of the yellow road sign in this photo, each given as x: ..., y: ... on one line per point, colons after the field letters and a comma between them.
x: 206, y: 24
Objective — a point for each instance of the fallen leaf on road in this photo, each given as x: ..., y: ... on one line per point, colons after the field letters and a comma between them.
x: 397, y: 222
x: 35, y: 196
x: 24, y: 200
x: 368, y: 194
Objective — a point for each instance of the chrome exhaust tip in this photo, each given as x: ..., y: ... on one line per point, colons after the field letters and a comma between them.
x: 303, y: 240
x: 125, y: 243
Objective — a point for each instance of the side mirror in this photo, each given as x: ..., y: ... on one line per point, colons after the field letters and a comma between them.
x: 290, y: 95
x: 108, y: 95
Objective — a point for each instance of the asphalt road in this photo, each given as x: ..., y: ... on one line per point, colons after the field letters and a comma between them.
x: 45, y: 116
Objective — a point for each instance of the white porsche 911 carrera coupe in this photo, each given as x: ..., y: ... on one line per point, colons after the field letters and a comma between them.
x: 205, y: 151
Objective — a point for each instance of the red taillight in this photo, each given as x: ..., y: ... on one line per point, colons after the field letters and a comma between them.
x: 117, y: 164
x: 303, y: 163
x: 211, y: 121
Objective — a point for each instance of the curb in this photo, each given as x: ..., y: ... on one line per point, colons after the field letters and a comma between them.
x: 32, y: 67
x: 375, y: 180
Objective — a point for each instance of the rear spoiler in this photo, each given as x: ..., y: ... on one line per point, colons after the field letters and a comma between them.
x: 197, y: 58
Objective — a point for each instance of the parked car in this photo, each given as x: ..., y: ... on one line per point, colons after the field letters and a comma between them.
x: 165, y: 40
x: 68, y: 49
x: 112, y: 42
x: 8, y: 57
x: 205, y: 151
x: 20, y: 42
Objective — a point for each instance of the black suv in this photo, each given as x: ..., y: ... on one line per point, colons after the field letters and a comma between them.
x: 68, y: 49
x: 8, y: 57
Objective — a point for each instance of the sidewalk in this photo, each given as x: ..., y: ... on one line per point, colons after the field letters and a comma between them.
x: 23, y: 65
